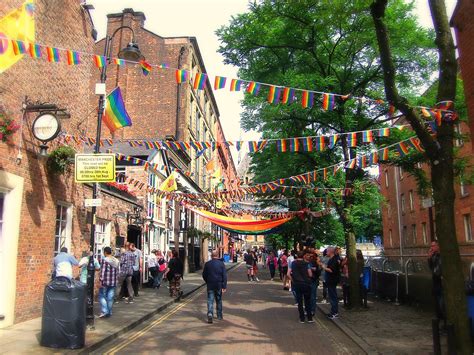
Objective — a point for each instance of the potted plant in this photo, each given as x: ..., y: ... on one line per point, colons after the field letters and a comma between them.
x: 8, y: 127
x: 60, y: 160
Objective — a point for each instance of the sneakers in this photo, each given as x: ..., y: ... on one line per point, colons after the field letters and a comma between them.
x: 129, y: 300
x: 257, y: 279
x: 302, y: 321
x: 324, y: 301
x: 310, y: 320
x: 333, y: 316
x: 209, y: 319
x: 103, y: 315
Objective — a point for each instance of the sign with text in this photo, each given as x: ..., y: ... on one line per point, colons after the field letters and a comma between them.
x: 92, y: 202
x: 94, y: 168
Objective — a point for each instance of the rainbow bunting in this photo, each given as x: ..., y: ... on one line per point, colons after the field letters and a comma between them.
x: 253, y: 88
x: 164, y: 66
x: 19, y: 47
x: 274, y: 94
x: 307, y: 99
x: 415, y: 143
x: 235, y: 85
x: 320, y: 143
x: 352, y: 139
x: 53, y: 54
x: 374, y: 158
x: 115, y: 114
x: 255, y: 146
x: 219, y: 82
x: 294, y: 144
x: 363, y: 161
x: 307, y: 144
x: 288, y: 96
x: 146, y: 67
x: 119, y: 61
x: 333, y: 140
x: 383, y: 132
x: 199, y: 81
x: 329, y: 101
x: 385, y: 155
x: 73, y: 58
x: 35, y: 50
x: 367, y: 137
x: 100, y: 61
x: 181, y: 76
x: 325, y: 174
x: 281, y: 145
x: 402, y: 149
x: 352, y: 163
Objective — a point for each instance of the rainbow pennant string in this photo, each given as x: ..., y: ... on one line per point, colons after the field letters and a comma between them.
x: 18, y: 47
x: 53, y: 54
x: 294, y: 145
x: 115, y: 114
x: 307, y: 100
x: 73, y: 58
x: 288, y: 96
x: 402, y: 149
x: 164, y: 66
x: 146, y: 67
x: 320, y: 143
x: 253, y: 88
x: 199, y: 81
x: 384, y: 132
x: 119, y: 61
x: 181, y: 76
x: 367, y: 137
x: 328, y: 101
x: 100, y: 61
x: 274, y: 94
x: 333, y: 140
x: 235, y: 85
x: 281, y: 145
x: 352, y: 140
x: 35, y: 50
x: 219, y: 82
x: 307, y: 144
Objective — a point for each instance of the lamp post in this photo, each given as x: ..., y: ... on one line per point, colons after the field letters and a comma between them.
x: 130, y: 53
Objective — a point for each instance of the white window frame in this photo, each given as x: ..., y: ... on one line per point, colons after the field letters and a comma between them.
x: 102, y: 236
x: 67, y: 228
x: 402, y: 200
x: 390, y: 237
x: 463, y: 188
x: 386, y: 179
x: 412, y: 202
x: 458, y: 142
x: 467, y: 227
x: 424, y: 231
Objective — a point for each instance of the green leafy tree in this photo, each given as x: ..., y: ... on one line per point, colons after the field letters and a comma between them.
x: 328, y: 46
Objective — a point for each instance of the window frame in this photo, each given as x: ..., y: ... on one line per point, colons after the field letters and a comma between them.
x: 67, y: 227
x: 467, y: 227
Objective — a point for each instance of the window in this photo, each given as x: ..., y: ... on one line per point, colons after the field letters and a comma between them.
x: 389, y: 209
x: 413, y: 233
x: 390, y: 237
x: 198, y: 126
x: 62, y: 236
x: 467, y: 227
x: 424, y: 232
x: 191, y: 105
x: 458, y: 141
x: 402, y: 199
x: 120, y: 174
x: 405, y: 235
x: 386, y: 178
x: 102, y: 237
x: 463, y: 188
x: 412, y: 205
x: 400, y: 172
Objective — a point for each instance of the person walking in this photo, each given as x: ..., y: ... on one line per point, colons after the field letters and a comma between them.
x: 127, y: 260
x: 83, y: 263
x: 434, y: 263
x: 248, y: 258
x: 174, y: 273
x: 315, y: 265
x: 272, y: 263
x: 63, y: 263
x: 301, y: 284
x: 215, y: 276
x: 324, y: 260
x: 137, y: 268
x: 108, y: 281
x: 333, y: 276
x: 152, y: 268
x: 160, y: 269
x: 284, y: 269
x: 255, y: 265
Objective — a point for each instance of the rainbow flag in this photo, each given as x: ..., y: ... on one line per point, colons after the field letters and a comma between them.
x: 181, y: 76
x: 53, y: 54
x: 288, y: 96
x: 352, y: 163
x: 281, y: 145
x: 19, y: 47
x: 415, y: 143
x: 325, y: 173
x: 115, y: 114
x: 329, y: 101
x: 320, y: 143
x: 119, y: 61
x: 146, y: 67
x: 100, y: 61
x: 253, y: 88
x: 363, y: 161
x: 235, y: 84
x: 274, y: 94
x: 199, y: 81
x: 307, y: 99
x: 35, y: 50
x: 402, y: 148
x: 385, y: 155
x: 219, y: 82
x: 307, y: 144
x: 255, y: 146
x: 164, y: 66
x: 384, y: 132
x: 73, y: 58
x: 332, y: 140
x: 294, y: 145
x: 352, y: 139
x: 374, y: 158
x: 367, y: 137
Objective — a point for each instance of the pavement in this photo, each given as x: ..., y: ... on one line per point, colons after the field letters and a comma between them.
x: 23, y: 338
x: 259, y: 318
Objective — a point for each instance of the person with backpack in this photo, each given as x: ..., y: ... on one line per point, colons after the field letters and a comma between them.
x: 333, y: 276
x: 272, y: 263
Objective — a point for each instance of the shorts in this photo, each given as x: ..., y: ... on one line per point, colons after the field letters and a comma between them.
x: 284, y: 270
x: 249, y: 267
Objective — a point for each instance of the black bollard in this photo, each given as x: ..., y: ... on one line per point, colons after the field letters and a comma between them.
x: 436, y: 340
x: 451, y: 340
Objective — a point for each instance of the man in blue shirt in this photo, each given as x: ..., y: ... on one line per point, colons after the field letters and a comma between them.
x: 63, y: 263
x: 215, y: 276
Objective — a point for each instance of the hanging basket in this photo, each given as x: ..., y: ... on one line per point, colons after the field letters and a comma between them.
x: 60, y: 160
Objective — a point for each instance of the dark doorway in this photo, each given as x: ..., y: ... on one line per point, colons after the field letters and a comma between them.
x: 134, y: 234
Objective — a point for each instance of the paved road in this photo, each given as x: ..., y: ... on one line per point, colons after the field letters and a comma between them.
x: 258, y: 318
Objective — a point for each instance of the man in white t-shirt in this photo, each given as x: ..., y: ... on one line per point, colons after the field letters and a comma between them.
x: 63, y: 263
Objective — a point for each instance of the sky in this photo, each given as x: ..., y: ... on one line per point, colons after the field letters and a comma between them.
x: 201, y: 18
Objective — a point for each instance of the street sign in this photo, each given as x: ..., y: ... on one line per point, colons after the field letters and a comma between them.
x: 92, y: 202
x: 427, y: 202
x: 94, y: 168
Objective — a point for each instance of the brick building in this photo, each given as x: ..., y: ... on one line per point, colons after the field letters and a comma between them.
x: 42, y: 211
x: 408, y: 219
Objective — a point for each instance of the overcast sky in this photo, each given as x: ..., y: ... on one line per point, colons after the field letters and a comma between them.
x: 200, y: 18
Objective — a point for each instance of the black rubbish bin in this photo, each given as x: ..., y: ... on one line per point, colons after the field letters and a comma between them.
x: 235, y: 258
x: 64, y: 314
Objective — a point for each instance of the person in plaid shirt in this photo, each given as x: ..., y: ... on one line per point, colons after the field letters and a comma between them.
x: 127, y: 261
x: 108, y: 281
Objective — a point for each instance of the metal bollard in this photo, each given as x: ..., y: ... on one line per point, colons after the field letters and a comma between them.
x: 451, y: 339
x: 436, y: 340
x: 396, y: 292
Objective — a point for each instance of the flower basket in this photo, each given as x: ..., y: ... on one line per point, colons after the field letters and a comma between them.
x: 8, y: 127
x: 60, y: 160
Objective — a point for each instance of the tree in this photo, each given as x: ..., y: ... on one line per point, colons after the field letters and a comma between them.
x: 439, y: 151
x: 329, y: 46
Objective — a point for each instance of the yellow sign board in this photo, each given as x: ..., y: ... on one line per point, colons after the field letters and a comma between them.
x: 94, y: 168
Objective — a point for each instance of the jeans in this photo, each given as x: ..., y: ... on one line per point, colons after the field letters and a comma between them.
x: 106, y: 299
x: 325, y: 290
x: 303, y: 292
x: 314, y: 289
x: 332, y: 293
x: 272, y: 270
x: 135, y: 282
x: 211, y: 295
x: 157, y: 279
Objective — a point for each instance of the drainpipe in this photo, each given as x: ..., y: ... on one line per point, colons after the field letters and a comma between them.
x: 400, y: 236
x: 178, y: 92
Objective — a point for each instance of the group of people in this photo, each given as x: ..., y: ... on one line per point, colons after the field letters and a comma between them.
x: 119, y: 275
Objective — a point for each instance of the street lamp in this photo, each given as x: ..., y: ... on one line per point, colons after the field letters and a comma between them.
x: 130, y: 53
